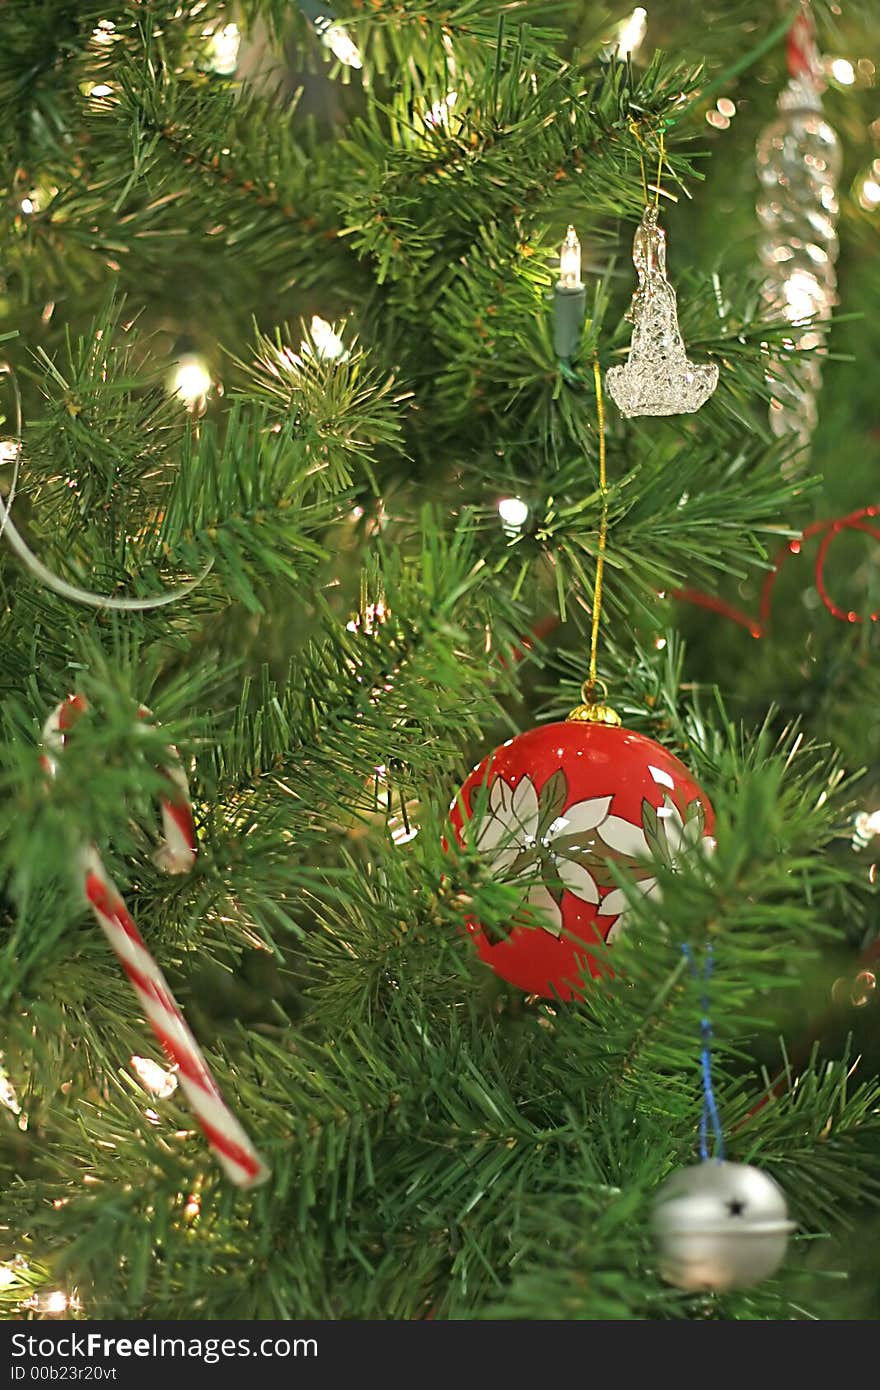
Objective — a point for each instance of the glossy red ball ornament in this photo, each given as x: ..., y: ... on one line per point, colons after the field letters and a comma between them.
x: 551, y: 809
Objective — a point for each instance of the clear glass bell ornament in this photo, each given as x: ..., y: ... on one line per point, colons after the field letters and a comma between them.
x: 658, y: 378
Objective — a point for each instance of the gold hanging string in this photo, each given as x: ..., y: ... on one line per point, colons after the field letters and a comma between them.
x: 590, y: 711
x: 640, y: 142
x: 660, y: 162
x: 603, y: 534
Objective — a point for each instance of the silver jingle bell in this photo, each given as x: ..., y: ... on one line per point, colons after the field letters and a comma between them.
x: 720, y: 1226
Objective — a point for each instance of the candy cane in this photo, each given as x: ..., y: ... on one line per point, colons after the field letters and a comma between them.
x: 176, y: 855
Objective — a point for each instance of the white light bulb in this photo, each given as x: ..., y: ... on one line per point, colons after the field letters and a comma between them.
x: 329, y: 347
x: 439, y: 112
x: 100, y: 89
x: 155, y: 1079
x: 7, y: 1276
x: 191, y: 379
x: 339, y: 41
x: 843, y: 72
x: 8, y: 1098
x: 224, y: 48
x: 866, y: 824
x: 27, y: 206
x: 631, y: 33
x: 570, y: 262
x: 402, y: 831
x: 870, y: 194
x: 55, y: 1302
x: 514, y: 512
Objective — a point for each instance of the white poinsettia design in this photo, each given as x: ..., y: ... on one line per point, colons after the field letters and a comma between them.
x: 663, y: 835
x: 524, y: 833
x: 528, y: 836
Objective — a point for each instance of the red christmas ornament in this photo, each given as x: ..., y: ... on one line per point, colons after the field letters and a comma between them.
x: 551, y: 809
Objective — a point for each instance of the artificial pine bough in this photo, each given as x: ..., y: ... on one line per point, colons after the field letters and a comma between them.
x: 277, y: 297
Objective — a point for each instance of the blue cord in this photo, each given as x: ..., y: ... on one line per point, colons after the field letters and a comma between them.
x: 710, y: 1108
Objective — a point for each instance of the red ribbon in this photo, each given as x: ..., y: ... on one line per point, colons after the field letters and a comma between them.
x: 758, y: 626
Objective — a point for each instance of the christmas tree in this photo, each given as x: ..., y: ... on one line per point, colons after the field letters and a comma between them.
x: 320, y: 484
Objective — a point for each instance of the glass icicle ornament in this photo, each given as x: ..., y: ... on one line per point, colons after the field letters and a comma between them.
x: 658, y: 378
x: 798, y: 165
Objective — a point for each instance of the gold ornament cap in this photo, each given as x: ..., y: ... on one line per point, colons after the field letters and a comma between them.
x: 591, y: 711
x: 594, y: 714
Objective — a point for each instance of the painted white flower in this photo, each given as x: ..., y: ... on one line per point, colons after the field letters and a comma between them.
x: 510, y: 830
x: 527, y: 835
x: 674, y: 839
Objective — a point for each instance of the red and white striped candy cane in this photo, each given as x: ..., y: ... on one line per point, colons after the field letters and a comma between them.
x: 225, y: 1135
